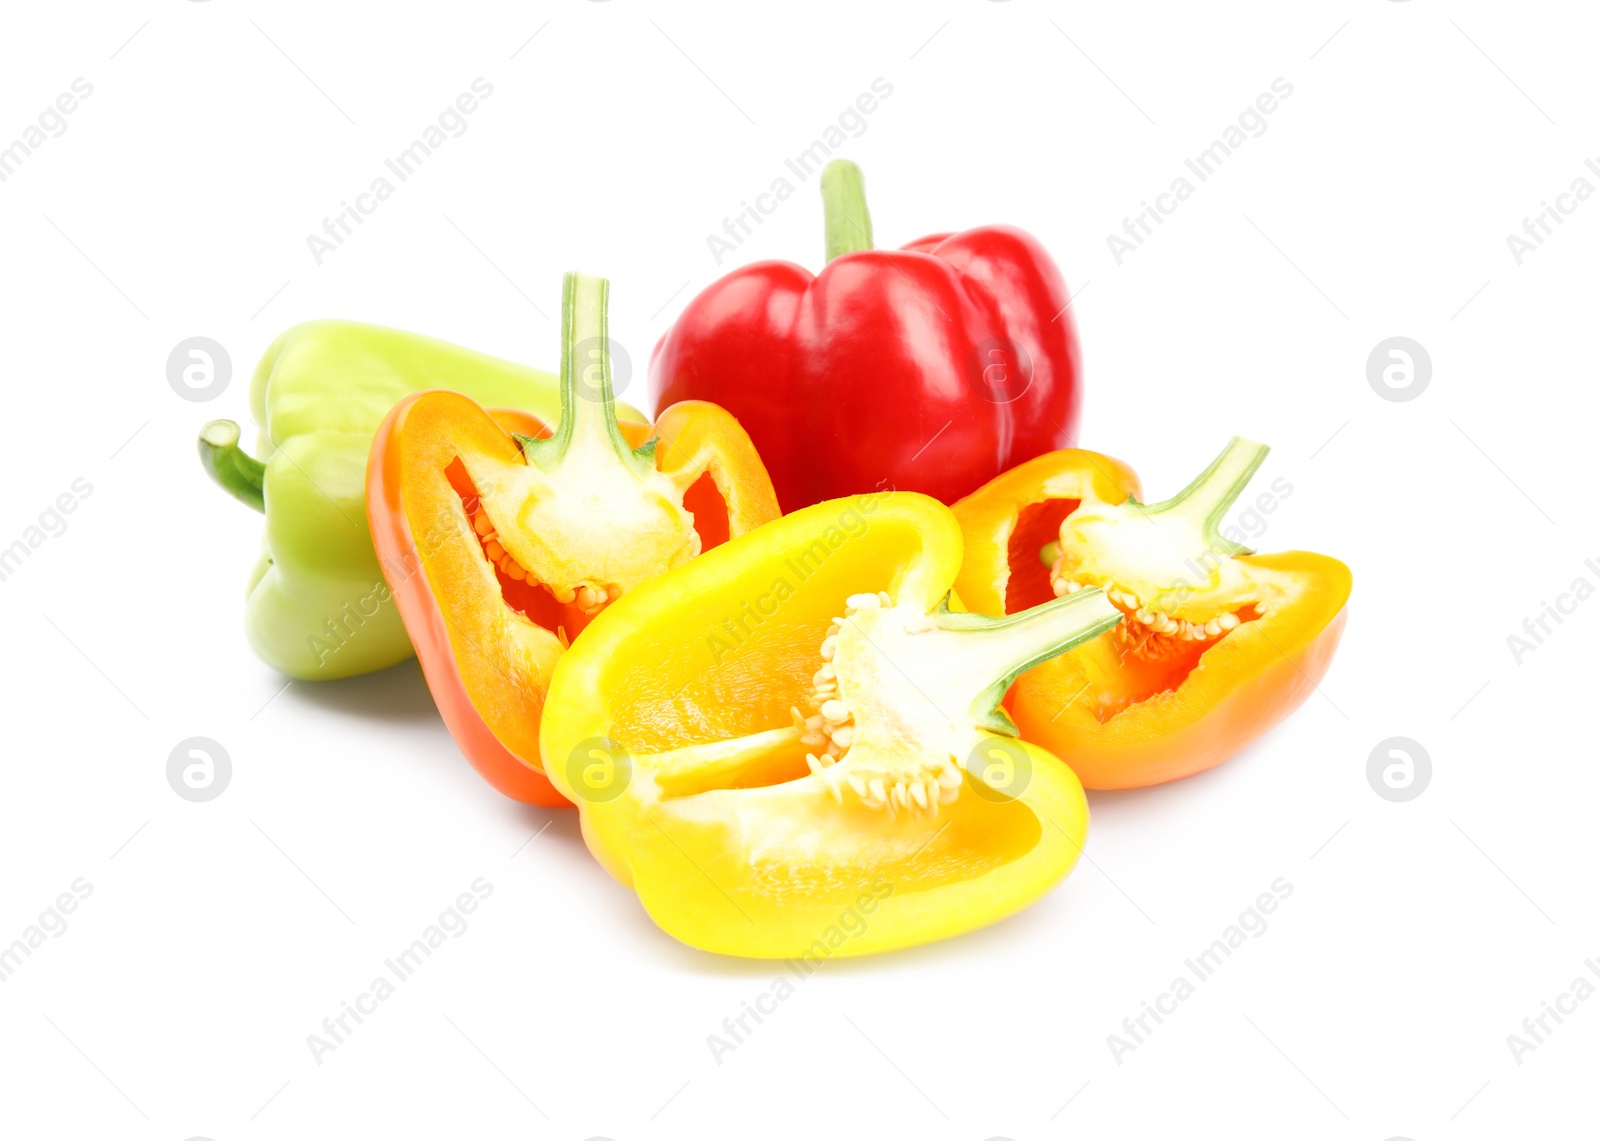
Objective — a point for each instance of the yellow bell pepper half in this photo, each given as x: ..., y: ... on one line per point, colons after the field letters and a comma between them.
x: 791, y: 746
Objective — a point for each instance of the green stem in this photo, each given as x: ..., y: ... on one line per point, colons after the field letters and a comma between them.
x: 588, y: 406
x: 226, y: 463
x: 1214, y: 490
x: 848, y: 227
x: 1002, y: 647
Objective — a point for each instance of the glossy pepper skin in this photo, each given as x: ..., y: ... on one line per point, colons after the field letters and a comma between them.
x: 500, y: 544
x: 932, y: 368
x: 318, y: 608
x: 1219, y: 645
x: 790, y: 746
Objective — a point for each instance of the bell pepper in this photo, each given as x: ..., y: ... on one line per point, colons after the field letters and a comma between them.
x: 791, y: 746
x: 931, y: 368
x: 318, y: 607
x: 500, y: 547
x: 1219, y: 645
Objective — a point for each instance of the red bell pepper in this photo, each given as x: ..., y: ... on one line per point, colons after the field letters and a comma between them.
x: 932, y: 368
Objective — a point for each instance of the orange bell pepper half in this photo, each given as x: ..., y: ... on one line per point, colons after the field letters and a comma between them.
x: 501, y: 545
x: 791, y: 747
x: 1219, y: 645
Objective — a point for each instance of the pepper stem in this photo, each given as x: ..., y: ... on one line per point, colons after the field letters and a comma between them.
x: 588, y: 405
x: 1003, y: 646
x: 241, y: 476
x: 1213, y: 491
x: 847, y: 226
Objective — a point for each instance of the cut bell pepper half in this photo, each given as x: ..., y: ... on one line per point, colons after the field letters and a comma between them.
x: 791, y: 746
x: 1219, y: 645
x: 501, y: 546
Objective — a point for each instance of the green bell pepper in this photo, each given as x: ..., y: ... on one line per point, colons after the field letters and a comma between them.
x: 318, y: 605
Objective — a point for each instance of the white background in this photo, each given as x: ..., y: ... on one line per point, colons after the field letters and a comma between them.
x: 219, y: 935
